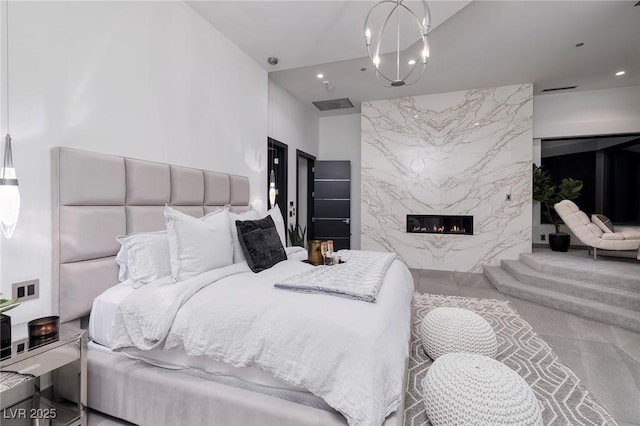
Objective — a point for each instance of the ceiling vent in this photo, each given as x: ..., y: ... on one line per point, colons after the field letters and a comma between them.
x: 555, y: 89
x: 333, y: 104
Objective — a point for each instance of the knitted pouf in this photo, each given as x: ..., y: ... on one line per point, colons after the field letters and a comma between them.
x: 445, y: 330
x: 469, y: 389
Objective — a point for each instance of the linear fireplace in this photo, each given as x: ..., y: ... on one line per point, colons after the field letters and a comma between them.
x: 439, y: 224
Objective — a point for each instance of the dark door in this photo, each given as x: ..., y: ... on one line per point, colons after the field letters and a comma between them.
x: 332, y: 203
x: 277, y: 154
x: 304, y: 185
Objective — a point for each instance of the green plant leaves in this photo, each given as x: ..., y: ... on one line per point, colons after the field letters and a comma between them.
x: 549, y: 194
x: 297, y: 235
x: 6, y: 304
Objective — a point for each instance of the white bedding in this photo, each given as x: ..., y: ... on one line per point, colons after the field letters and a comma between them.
x: 102, y: 313
x: 350, y: 353
x: 251, y: 378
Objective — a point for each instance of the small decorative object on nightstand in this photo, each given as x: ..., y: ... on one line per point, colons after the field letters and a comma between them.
x: 64, y: 403
x: 43, y: 331
x: 5, y: 326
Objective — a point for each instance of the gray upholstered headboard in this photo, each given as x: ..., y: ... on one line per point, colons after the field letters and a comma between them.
x: 97, y: 197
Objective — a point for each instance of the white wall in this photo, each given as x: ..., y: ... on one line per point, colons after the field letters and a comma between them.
x: 295, y: 125
x: 150, y: 80
x: 340, y: 140
x: 595, y: 112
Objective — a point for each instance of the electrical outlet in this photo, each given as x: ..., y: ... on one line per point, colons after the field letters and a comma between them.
x: 543, y: 237
x: 26, y: 290
x: 20, y: 346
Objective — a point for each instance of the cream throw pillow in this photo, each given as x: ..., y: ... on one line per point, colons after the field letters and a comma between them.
x: 198, y: 245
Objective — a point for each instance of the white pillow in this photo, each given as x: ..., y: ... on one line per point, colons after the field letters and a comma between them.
x: 121, y: 260
x: 145, y: 256
x: 276, y: 215
x: 198, y: 245
x: 238, y: 254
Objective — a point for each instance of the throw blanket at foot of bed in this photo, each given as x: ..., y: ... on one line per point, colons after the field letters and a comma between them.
x: 359, y: 278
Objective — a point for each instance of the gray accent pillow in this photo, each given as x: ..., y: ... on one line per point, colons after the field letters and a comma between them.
x: 603, y: 222
x: 260, y: 243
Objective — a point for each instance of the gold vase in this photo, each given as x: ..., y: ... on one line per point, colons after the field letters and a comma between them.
x: 314, y: 252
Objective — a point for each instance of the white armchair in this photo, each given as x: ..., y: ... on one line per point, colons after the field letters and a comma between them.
x: 591, y: 234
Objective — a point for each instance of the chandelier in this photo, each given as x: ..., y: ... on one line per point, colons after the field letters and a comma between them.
x: 409, y: 65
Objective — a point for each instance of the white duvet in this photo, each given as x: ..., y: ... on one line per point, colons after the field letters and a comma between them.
x: 348, y: 352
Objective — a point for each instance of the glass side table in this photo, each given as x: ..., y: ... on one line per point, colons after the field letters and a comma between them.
x: 22, y: 400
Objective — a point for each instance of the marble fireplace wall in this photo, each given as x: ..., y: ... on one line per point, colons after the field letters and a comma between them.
x: 459, y: 153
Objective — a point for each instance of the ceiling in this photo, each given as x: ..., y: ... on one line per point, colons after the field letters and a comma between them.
x: 303, y: 32
x: 473, y: 45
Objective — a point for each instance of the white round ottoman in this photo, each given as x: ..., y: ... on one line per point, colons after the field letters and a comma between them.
x: 469, y: 389
x: 446, y: 330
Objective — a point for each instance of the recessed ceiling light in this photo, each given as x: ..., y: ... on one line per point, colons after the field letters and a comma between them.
x: 415, y: 116
x: 619, y: 73
x: 320, y: 76
x: 412, y: 62
x: 476, y: 124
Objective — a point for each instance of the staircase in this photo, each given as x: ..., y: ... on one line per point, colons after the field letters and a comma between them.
x: 606, y: 291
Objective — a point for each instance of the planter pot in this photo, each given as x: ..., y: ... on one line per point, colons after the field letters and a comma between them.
x: 559, y: 242
x: 5, y: 336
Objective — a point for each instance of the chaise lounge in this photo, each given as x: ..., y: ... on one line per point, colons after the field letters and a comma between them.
x: 593, y: 235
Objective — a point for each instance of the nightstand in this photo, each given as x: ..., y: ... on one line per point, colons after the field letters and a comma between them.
x: 24, y: 402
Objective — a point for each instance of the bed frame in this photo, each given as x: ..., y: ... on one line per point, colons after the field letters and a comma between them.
x: 97, y: 197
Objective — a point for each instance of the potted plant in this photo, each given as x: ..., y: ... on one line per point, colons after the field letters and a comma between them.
x: 5, y: 326
x: 297, y: 235
x: 549, y: 194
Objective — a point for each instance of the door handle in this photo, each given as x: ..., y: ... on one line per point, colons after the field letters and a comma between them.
x: 347, y: 221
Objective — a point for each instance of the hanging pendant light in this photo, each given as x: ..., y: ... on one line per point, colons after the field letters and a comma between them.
x: 407, y: 69
x: 272, y: 189
x: 9, y: 192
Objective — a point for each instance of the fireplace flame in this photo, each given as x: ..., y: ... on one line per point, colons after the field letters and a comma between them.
x: 454, y: 228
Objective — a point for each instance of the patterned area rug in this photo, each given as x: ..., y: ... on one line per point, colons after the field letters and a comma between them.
x: 565, y: 401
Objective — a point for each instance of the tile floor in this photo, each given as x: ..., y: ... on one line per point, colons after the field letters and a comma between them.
x: 606, y: 358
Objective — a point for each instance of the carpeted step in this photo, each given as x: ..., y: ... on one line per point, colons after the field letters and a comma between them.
x: 579, y: 266
x: 508, y: 284
x: 586, y: 290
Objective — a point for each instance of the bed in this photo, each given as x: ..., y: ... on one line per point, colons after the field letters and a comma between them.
x: 97, y: 197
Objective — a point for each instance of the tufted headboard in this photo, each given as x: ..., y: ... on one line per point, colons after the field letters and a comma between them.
x: 97, y: 197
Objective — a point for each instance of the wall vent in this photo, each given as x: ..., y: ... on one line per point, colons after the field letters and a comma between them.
x: 554, y: 89
x: 333, y: 104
